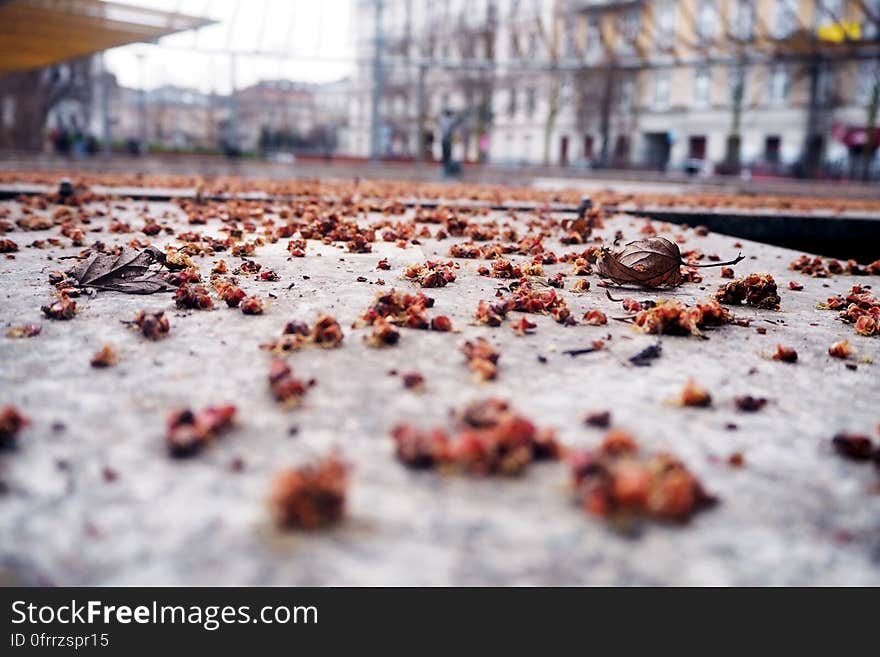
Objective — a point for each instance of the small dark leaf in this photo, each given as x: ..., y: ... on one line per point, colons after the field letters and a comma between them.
x: 129, y: 272
x: 646, y: 355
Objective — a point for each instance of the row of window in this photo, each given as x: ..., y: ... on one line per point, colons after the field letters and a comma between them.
x: 782, y: 20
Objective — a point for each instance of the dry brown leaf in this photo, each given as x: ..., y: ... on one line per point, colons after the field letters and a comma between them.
x: 127, y: 272
x: 651, y: 262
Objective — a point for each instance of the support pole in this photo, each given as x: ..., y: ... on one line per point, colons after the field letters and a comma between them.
x: 378, y: 85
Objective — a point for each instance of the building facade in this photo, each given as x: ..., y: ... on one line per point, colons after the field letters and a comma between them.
x: 778, y: 85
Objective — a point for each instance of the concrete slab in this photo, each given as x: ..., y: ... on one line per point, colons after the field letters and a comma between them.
x: 795, y: 514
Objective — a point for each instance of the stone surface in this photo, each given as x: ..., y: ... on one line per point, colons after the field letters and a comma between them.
x: 794, y: 514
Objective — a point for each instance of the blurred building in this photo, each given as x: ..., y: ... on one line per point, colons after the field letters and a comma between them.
x: 781, y: 85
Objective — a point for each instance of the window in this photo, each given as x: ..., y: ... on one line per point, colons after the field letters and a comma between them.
x: 566, y: 92
x: 628, y: 29
x: 511, y: 103
x: 826, y: 85
x: 626, y: 94
x: 665, y: 24
x: 697, y: 147
x: 744, y: 20
x: 772, y: 149
x: 785, y: 18
x: 530, y: 101
x: 778, y: 92
x: 8, y: 111
x: 702, y: 87
x: 588, y: 147
x: 661, y: 90
x: 594, y: 38
x: 707, y: 20
x: 533, y: 46
x: 867, y: 80
x: 871, y: 21
x: 571, y: 49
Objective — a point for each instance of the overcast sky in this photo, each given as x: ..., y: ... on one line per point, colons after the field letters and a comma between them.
x: 314, y: 33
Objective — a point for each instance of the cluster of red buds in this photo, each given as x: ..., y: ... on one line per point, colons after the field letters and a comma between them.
x: 153, y: 325
x: 490, y: 439
x: 285, y: 387
x: 310, y: 496
x: 193, y: 296
x: 615, y: 480
x: 189, y: 432
x: 432, y: 273
x: 11, y: 423
x: 482, y: 358
x: 758, y: 290
x: 677, y: 318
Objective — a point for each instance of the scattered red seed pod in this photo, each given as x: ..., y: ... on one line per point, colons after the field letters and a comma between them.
x: 431, y: 274
x: 492, y: 314
x: 189, y: 432
x: 153, y: 325
x: 383, y: 334
x: 413, y: 380
x: 580, y: 285
x: 269, y: 275
x: 295, y: 327
x: 310, y: 496
x: 785, y: 354
x: 24, y: 331
x: 286, y: 388
x: 399, y: 308
x: 677, y: 318
x: 749, y: 404
x: 595, y: 317
x: 736, y: 460
x: 482, y: 358
x: 600, y: 419
x: 249, y: 267
x: 866, y: 325
x: 8, y: 246
x: 383, y: 264
x: 758, y: 290
x: 491, y: 439
x: 841, y: 349
x: 523, y: 326
x: 557, y: 280
x: 193, y: 296
x: 693, y: 394
x: 795, y: 285
x: 297, y: 248
x: 229, y: 292
x: 327, y: 332
x: 727, y: 272
x: 853, y: 446
x: 62, y: 308
x: 106, y: 356
x: 11, y: 423
x: 441, y: 323
x: 613, y: 480
x: 252, y: 305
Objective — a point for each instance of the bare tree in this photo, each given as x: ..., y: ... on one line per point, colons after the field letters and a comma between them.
x: 35, y: 93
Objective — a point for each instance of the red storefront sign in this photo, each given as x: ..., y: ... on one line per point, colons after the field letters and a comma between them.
x: 854, y: 136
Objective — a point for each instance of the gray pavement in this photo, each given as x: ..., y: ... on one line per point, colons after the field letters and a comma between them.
x: 794, y: 514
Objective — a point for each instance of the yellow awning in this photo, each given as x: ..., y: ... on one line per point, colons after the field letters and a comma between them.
x: 35, y: 33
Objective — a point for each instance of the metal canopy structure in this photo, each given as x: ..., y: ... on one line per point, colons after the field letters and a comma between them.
x: 35, y: 33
